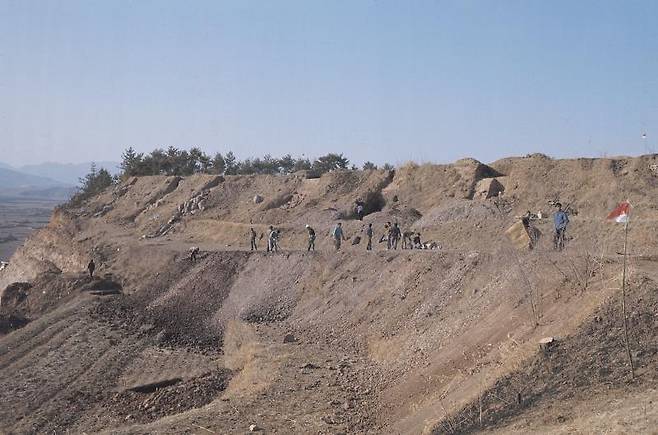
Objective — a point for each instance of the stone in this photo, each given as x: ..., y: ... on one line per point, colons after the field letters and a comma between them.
x: 488, y: 188
x: 309, y: 366
x: 151, y: 386
x: 546, y: 342
x: 289, y: 338
x: 328, y: 419
x: 518, y: 235
x: 258, y: 199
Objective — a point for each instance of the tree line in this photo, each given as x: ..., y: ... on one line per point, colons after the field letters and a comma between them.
x: 175, y: 161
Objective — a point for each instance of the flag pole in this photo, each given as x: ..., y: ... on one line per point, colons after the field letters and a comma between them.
x: 623, y: 298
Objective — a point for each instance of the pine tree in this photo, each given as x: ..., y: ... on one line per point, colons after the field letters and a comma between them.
x: 218, y: 164
x: 230, y: 164
x: 131, y: 162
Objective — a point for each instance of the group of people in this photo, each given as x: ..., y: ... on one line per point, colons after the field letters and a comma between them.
x: 392, y: 236
x: 273, y: 235
x: 560, y: 223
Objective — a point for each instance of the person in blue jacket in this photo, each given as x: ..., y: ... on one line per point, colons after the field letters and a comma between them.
x: 561, y: 221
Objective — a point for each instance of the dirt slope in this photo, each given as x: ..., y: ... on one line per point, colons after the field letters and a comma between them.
x: 406, y: 341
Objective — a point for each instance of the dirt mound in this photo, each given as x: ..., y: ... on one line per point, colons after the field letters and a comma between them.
x: 24, y: 301
x: 101, y: 286
x: 28, y: 301
x: 184, y: 312
x: 14, y: 295
x: 9, y: 322
x: 181, y: 396
x: 12, y: 316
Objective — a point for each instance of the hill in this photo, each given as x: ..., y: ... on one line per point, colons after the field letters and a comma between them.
x: 439, y: 340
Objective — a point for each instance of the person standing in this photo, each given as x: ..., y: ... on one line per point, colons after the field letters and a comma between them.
x: 274, y: 240
x: 369, y: 235
x: 395, y: 236
x: 407, y: 243
x: 91, y: 267
x: 416, y: 242
x: 360, y: 210
x: 194, y: 251
x: 338, y: 235
x: 311, y: 238
x: 531, y: 230
x: 561, y: 221
x: 252, y: 239
x: 388, y: 230
x: 270, y: 231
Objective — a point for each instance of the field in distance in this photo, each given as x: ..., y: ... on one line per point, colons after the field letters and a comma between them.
x: 18, y: 218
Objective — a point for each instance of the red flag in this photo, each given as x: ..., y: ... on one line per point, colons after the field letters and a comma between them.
x: 620, y: 214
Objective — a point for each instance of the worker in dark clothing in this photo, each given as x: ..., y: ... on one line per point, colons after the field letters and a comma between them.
x: 369, y: 235
x: 91, y: 267
x: 394, y: 236
x: 311, y: 238
x: 252, y: 239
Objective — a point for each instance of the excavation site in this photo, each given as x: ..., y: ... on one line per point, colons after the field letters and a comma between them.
x: 471, y: 322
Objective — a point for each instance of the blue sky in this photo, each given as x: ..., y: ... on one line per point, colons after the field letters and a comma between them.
x: 386, y: 81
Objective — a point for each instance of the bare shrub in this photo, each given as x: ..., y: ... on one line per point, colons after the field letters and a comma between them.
x: 527, y: 289
x: 584, y: 267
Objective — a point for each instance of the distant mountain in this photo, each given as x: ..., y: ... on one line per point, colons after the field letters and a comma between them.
x: 59, y: 193
x: 17, y: 184
x: 67, y: 173
x: 13, y: 179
